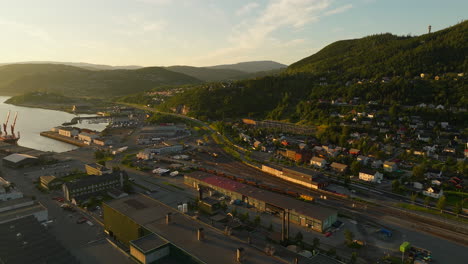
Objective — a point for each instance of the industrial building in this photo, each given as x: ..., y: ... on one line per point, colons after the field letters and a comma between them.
x: 26, y: 241
x: 97, y: 169
x: 149, y: 153
x: 155, y: 232
x: 50, y: 182
x: 308, y: 178
x: 19, y: 160
x: 93, y: 184
x: 305, y: 214
x: 163, y: 130
x: 20, y: 208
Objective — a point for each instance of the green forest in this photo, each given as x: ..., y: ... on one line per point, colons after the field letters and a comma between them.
x: 382, y: 68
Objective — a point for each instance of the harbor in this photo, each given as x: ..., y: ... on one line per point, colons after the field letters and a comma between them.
x: 69, y: 140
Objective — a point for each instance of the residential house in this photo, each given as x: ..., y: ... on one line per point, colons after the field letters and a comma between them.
x: 424, y: 137
x: 363, y: 159
x: 354, y: 151
x: 418, y: 185
x: 318, y: 162
x: 339, y: 167
x: 257, y: 144
x: 370, y: 175
x: 68, y: 131
x: 436, y: 182
x: 377, y: 164
x: 390, y: 166
x: 433, y: 192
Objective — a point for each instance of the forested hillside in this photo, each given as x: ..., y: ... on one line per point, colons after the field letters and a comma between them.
x: 387, y: 69
x: 73, y: 81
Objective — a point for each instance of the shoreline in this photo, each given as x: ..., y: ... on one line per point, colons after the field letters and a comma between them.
x: 48, y: 107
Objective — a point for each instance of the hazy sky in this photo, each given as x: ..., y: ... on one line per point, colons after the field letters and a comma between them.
x: 203, y: 32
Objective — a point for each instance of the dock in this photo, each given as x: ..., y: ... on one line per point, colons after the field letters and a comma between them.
x: 69, y: 140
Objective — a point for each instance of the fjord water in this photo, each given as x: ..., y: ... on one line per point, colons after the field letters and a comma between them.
x: 32, y: 121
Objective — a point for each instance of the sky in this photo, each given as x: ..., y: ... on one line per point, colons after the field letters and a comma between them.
x: 204, y: 32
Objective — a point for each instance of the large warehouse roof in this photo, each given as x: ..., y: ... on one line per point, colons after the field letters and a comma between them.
x: 285, y: 202
x: 182, y: 232
x: 26, y: 241
x: 15, y: 158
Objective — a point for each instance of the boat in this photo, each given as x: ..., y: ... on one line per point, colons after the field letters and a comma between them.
x: 9, y: 138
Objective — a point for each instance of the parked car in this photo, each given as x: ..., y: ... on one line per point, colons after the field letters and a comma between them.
x: 328, y: 234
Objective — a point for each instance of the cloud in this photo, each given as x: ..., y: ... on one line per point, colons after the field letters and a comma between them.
x: 338, y: 10
x: 247, y: 9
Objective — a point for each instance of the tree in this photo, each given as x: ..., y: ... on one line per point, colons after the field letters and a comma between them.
x: 413, y: 197
x: 353, y: 258
x: 349, y: 236
x: 427, y: 200
x: 356, y: 167
x: 234, y: 211
x: 418, y: 172
x: 395, y: 185
x: 441, y: 203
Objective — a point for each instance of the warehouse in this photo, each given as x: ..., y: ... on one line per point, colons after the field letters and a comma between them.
x: 156, y: 232
x: 19, y: 160
x: 307, y: 178
x: 305, y: 214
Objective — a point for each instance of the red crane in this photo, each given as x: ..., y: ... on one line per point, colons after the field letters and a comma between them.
x: 6, y: 123
x: 13, y: 125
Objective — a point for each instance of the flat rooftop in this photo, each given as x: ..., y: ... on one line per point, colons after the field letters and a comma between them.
x: 149, y: 242
x: 282, y: 201
x: 182, y: 231
x: 26, y: 241
x: 21, y: 212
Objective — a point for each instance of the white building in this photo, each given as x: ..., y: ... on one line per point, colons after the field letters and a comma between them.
x: 370, y: 176
x: 318, y: 162
x: 68, y: 131
x: 433, y: 192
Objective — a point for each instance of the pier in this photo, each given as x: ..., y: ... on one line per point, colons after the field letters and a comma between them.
x: 69, y: 140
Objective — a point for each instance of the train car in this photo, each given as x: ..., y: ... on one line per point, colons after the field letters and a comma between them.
x: 293, y: 194
x: 241, y: 180
x: 253, y: 183
x: 230, y: 177
x: 211, y: 171
x: 202, y: 169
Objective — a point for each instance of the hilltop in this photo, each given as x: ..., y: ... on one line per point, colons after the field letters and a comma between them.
x: 251, y: 66
x: 387, y: 69
x: 391, y: 55
x: 212, y: 74
x: 74, y: 81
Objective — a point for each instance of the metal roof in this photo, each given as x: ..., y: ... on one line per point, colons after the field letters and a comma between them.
x: 26, y: 241
x: 182, y: 232
x: 282, y: 201
x: 15, y: 158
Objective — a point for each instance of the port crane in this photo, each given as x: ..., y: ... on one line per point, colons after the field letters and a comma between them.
x: 12, y: 127
x: 6, y: 123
